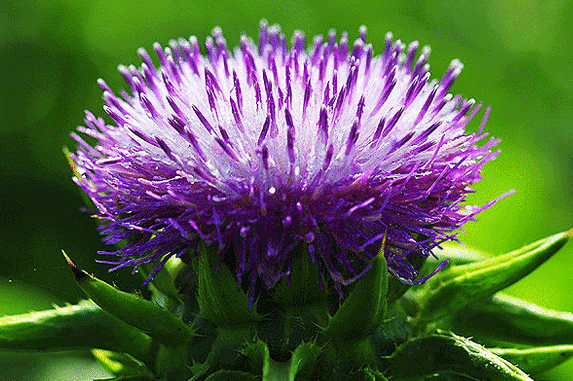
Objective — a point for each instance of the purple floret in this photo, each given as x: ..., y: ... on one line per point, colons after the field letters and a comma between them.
x: 264, y: 150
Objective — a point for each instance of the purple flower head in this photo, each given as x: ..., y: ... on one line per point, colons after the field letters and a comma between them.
x: 264, y: 150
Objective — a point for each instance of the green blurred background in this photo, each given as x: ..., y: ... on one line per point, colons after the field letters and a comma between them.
x: 518, y: 59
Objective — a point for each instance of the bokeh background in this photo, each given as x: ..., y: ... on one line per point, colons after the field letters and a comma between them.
x: 518, y: 58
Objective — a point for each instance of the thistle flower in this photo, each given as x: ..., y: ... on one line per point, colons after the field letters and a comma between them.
x: 264, y: 151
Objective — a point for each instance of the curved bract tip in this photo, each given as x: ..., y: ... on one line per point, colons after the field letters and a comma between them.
x: 79, y: 274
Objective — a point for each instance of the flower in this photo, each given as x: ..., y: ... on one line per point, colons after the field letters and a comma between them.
x: 266, y: 150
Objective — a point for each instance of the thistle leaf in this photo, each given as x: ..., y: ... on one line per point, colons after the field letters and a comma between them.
x: 503, y: 318
x: 199, y: 370
x: 536, y: 360
x: 120, y: 364
x: 258, y: 355
x: 458, y: 286
x: 171, y: 363
x: 301, y: 363
x: 303, y: 285
x: 396, y: 290
x: 220, y: 300
x: 129, y: 378
x: 447, y: 353
x: 393, y: 332
x: 231, y: 375
x: 135, y: 311
x: 363, y: 311
x: 447, y: 377
x: 84, y: 325
x: 276, y: 371
x: 458, y: 254
x: 374, y: 375
x: 162, y: 282
x: 303, y: 360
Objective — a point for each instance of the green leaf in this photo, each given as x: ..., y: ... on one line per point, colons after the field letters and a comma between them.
x: 502, y: 318
x: 84, y: 325
x: 447, y: 377
x: 301, y: 363
x: 171, y: 363
x: 258, y: 355
x: 205, y: 335
x: 456, y: 254
x: 440, y: 353
x: 157, y: 322
x: 199, y: 370
x: 229, y: 343
x: 129, y: 378
x: 374, y: 375
x: 396, y: 289
x: 276, y: 371
x: 121, y: 364
x: 302, y: 286
x: 231, y: 375
x: 459, y: 254
x: 283, y: 330
x: 393, y: 332
x: 458, y: 286
x: 220, y: 300
x: 536, y: 360
x: 303, y: 360
x: 363, y: 311
x: 162, y: 282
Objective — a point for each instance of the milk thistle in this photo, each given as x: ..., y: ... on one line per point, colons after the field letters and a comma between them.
x: 263, y: 150
x: 282, y: 203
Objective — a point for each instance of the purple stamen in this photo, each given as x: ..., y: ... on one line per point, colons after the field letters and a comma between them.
x: 202, y: 119
x: 264, y: 130
x: 328, y: 157
x: 352, y: 137
x: 236, y: 116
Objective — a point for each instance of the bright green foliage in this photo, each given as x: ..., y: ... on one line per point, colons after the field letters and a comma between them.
x: 121, y: 365
x: 302, y: 286
x: 303, y: 360
x: 134, y: 310
x: 448, y: 353
x: 458, y: 254
x: 456, y: 287
x: 220, y: 300
x: 231, y: 375
x: 538, y: 359
x: 365, y: 308
x: 84, y: 325
x: 163, y: 282
x: 304, y: 332
x: 508, y: 319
